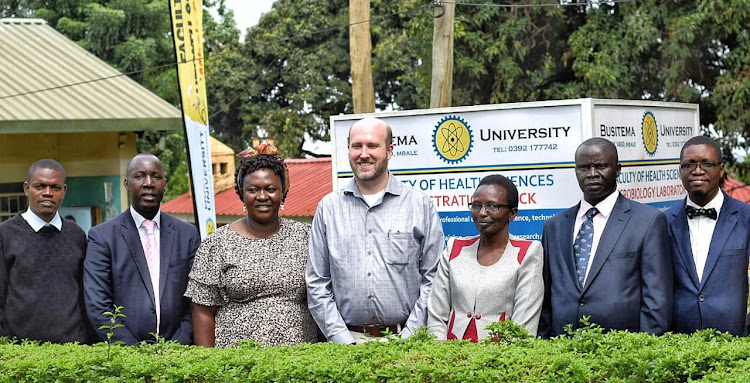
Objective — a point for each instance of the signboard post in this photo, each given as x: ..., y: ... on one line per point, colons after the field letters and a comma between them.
x: 446, y: 152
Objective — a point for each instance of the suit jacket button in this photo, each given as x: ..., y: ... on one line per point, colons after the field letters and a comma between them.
x: 701, y: 298
x: 582, y: 302
x: 469, y: 314
x: 153, y: 310
x: 478, y: 316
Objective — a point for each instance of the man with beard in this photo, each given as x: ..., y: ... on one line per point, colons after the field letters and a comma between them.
x: 374, y: 247
x: 140, y: 260
x: 606, y: 257
x: 710, y: 233
x: 41, y: 265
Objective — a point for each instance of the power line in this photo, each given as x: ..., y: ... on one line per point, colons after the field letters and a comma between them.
x: 302, y: 35
x: 561, y: 4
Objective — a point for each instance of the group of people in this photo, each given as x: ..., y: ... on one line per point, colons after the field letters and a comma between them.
x: 375, y: 261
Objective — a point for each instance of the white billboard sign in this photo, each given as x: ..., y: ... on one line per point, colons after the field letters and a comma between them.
x: 445, y: 152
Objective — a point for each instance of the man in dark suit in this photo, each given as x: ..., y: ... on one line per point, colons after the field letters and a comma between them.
x: 607, y: 257
x: 710, y: 233
x: 140, y: 260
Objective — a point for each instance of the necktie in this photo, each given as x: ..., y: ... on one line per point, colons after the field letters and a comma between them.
x: 152, y: 259
x: 582, y: 245
x: 48, y: 229
x: 693, y: 212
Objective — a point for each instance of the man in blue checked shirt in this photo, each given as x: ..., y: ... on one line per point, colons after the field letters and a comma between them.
x: 374, y: 247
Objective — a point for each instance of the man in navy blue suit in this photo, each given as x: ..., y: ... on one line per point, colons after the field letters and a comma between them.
x: 140, y: 260
x: 710, y: 234
x: 607, y: 257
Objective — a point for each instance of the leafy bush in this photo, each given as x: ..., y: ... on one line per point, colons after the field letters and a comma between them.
x: 587, y: 354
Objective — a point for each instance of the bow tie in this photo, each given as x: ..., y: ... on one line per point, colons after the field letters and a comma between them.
x: 697, y: 212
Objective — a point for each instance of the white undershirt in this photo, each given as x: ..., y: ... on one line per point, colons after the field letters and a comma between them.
x: 701, y: 232
x: 371, y: 199
x: 600, y: 221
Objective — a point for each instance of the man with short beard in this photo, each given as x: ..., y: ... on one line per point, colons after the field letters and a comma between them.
x: 710, y: 238
x: 374, y: 247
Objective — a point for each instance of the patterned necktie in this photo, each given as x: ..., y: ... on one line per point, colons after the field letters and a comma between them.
x: 693, y: 212
x: 582, y: 245
x: 152, y: 259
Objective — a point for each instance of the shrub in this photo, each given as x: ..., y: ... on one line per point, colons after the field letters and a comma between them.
x: 586, y: 354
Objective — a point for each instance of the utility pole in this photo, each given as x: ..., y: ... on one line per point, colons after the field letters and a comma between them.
x: 442, y: 54
x: 360, y: 55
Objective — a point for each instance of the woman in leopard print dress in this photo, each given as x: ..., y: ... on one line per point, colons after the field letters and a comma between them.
x: 248, y: 278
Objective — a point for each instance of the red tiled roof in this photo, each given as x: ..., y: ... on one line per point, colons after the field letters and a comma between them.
x: 309, y: 181
x: 737, y: 189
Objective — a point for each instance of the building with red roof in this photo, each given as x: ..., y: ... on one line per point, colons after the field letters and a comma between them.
x: 737, y: 189
x: 309, y: 179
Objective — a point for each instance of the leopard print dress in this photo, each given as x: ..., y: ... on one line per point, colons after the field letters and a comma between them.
x: 257, y: 285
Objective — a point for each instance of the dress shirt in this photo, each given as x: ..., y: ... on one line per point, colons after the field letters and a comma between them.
x: 600, y: 221
x: 37, y: 223
x: 701, y: 232
x: 372, y: 265
x: 138, y: 219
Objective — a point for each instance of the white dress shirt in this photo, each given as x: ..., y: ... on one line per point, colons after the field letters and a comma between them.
x: 157, y: 262
x: 600, y: 221
x: 701, y: 232
x: 37, y: 223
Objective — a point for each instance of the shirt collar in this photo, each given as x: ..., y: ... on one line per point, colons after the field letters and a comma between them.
x: 394, y: 186
x: 37, y: 223
x: 605, y: 207
x: 138, y: 218
x: 715, y: 203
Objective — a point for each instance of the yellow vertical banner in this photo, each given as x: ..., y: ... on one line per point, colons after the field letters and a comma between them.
x: 187, y: 32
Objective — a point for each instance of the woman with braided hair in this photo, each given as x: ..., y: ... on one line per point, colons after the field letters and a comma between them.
x: 248, y: 278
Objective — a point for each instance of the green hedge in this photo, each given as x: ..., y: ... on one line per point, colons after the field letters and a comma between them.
x: 585, y: 355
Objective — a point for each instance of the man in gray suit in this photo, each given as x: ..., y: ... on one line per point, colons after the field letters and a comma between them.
x: 607, y: 257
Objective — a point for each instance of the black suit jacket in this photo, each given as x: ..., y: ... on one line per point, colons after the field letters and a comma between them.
x: 719, y: 300
x: 116, y: 272
x: 629, y: 286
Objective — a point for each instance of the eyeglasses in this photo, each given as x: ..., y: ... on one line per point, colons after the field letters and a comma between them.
x: 691, y: 166
x: 490, y: 206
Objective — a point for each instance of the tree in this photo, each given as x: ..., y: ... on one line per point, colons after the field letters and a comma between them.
x: 696, y: 52
x: 134, y: 36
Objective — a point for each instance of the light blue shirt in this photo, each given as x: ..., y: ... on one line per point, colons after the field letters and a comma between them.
x: 374, y: 264
x: 37, y: 223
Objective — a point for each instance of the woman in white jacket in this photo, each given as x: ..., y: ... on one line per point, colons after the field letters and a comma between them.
x: 493, y: 277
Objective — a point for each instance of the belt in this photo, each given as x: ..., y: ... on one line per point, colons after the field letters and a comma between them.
x: 377, y: 329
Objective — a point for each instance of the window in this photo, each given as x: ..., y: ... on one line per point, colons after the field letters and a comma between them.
x: 12, y: 204
x: 223, y: 167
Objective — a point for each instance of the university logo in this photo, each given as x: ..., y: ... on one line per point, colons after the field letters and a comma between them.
x: 649, y: 133
x: 452, y: 139
x: 210, y: 227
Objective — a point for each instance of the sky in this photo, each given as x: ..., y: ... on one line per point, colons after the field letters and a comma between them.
x: 247, y: 12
